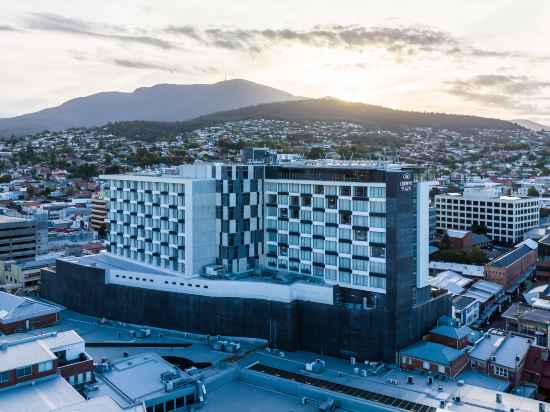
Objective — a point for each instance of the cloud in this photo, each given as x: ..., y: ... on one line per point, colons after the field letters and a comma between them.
x: 143, y: 65
x: 56, y: 23
x: 503, y: 91
x: 4, y: 27
x: 394, y: 39
x: 401, y: 41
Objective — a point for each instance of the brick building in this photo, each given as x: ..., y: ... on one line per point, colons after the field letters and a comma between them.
x: 19, y: 314
x: 510, y: 269
x: 456, y: 338
x: 460, y: 239
x: 433, y: 357
x: 32, y: 358
x: 501, y: 356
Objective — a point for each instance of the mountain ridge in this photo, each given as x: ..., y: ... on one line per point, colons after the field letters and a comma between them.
x: 323, y: 109
x: 528, y: 124
x: 162, y: 102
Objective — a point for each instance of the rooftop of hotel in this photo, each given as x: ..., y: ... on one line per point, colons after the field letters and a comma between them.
x: 107, y: 261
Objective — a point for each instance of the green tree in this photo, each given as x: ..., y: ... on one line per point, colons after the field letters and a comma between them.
x: 532, y: 192
x: 315, y: 153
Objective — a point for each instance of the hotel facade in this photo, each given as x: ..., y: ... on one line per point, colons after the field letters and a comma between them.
x: 337, y: 252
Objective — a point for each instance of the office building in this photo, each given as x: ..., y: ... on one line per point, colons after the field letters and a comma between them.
x: 302, y: 254
x: 505, y: 218
x: 98, y: 218
x: 23, y: 238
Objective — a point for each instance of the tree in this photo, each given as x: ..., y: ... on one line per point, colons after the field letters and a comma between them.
x: 85, y: 171
x: 477, y: 256
x: 532, y: 192
x: 316, y: 153
x: 479, y: 229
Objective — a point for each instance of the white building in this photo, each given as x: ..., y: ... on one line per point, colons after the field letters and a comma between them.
x: 506, y: 218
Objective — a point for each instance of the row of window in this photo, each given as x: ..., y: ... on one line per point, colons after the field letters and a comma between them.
x: 330, y: 274
x: 26, y: 371
x: 153, y: 186
x: 166, y: 282
x: 155, y: 260
x: 448, y: 200
x: 331, y: 190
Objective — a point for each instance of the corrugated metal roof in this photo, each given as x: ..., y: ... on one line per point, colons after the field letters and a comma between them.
x: 14, y: 308
x: 511, y: 257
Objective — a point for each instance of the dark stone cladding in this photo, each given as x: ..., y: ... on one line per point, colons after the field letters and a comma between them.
x: 334, y: 330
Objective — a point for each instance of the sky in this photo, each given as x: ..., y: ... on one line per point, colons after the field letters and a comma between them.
x: 480, y: 57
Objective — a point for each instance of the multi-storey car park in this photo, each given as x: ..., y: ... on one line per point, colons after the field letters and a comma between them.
x: 330, y: 257
x: 506, y: 218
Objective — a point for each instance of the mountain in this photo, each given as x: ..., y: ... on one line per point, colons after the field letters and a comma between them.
x: 528, y: 124
x: 163, y: 102
x: 327, y: 109
x: 331, y: 109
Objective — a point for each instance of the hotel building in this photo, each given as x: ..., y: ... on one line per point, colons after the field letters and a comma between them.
x: 325, y: 256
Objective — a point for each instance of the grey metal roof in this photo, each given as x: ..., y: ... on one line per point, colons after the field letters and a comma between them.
x: 460, y: 302
x: 15, y: 308
x: 524, y: 312
x: 511, y: 257
x: 44, y: 396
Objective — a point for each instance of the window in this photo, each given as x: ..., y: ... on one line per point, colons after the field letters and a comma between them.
x: 377, y: 191
x: 441, y: 368
x: 344, y: 204
x: 377, y: 221
x: 170, y: 405
x: 345, y: 191
x: 361, y: 280
x: 319, y: 230
x: 330, y: 231
x: 378, y: 207
x: 330, y: 245
x: 344, y: 247
x: 344, y: 277
x: 22, y: 372
x: 4, y: 377
x: 425, y: 365
x: 344, y: 262
x: 330, y: 274
x: 331, y: 218
x: 305, y: 241
x: 360, y: 250
x: 331, y: 260
x: 45, y: 366
x: 378, y: 251
x: 377, y: 237
x: 378, y: 267
x: 362, y: 221
x: 503, y: 372
x: 360, y: 234
x: 305, y: 214
x: 360, y: 205
x: 344, y: 234
x: 362, y: 265
x: 319, y: 202
x: 376, y: 282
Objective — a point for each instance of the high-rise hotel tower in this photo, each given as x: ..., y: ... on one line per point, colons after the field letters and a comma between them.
x: 326, y: 256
